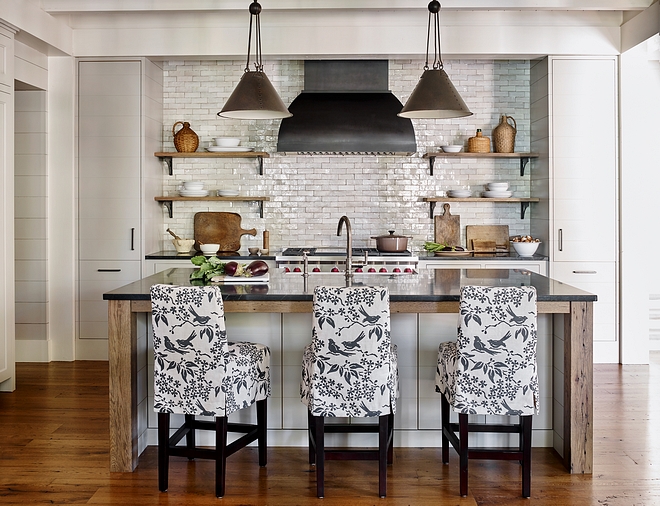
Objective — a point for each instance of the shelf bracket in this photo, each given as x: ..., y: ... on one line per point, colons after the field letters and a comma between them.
x: 523, y: 163
x: 168, y: 205
x: 432, y: 203
x: 523, y: 208
x: 431, y: 164
x: 261, y: 208
x: 168, y: 161
x: 261, y: 168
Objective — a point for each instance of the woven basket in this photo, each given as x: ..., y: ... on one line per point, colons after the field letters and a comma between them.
x: 185, y: 140
x: 504, y: 135
x: 479, y: 143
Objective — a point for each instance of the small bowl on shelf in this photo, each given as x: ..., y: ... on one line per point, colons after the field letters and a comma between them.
x: 227, y: 193
x: 253, y: 251
x: 209, y: 248
x: 183, y: 245
x: 525, y: 249
x: 452, y: 148
x: 226, y: 142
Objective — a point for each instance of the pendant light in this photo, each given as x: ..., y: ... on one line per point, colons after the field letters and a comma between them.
x: 435, y: 95
x: 254, y: 96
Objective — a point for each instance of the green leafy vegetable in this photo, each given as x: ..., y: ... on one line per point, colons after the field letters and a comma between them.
x: 208, y: 267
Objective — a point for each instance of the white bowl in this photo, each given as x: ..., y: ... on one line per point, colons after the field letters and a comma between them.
x: 452, y: 148
x: 226, y: 142
x: 193, y: 185
x: 498, y: 186
x: 525, y: 249
x: 209, y: 249
x: 227, y: 193
x: 183, y: 245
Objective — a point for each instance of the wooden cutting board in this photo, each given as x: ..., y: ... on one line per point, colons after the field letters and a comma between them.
x: 488, y: 238
x: 221, y: 228
x: 447, y: 228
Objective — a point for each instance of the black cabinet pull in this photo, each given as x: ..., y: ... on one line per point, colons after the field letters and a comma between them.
x: 108, y: 270
x: 561, y: 240
x: 132, y: 239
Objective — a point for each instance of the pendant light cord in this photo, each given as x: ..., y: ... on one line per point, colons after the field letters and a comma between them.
x: 255, y: 10
x: 434, y: 18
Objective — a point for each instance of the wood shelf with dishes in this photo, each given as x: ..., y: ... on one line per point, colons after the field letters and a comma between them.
x: 524, y: 201
x: 523, y: 157
x: 168, y: 155
x: 167, y: 201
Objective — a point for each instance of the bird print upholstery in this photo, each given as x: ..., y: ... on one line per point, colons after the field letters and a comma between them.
x: 491, y: 368
x: 350, y: 368
x: 196, y: 370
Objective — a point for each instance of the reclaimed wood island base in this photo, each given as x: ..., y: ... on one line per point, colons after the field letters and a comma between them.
x: 424, y: 293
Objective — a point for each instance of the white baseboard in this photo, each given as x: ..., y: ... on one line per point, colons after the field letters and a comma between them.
x: 91, y: 349
x: 32, y: 350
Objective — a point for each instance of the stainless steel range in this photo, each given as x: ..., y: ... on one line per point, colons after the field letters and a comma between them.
x: 365, y: 260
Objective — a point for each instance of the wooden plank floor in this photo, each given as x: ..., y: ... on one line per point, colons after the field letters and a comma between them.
x: 54, y: 450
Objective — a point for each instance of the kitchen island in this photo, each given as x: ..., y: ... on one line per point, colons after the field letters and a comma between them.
x: 430, y: 292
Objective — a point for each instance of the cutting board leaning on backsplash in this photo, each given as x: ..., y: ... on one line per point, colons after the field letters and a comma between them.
x: 221, y: 228
x: 488, y: 238
x: 447, y: 228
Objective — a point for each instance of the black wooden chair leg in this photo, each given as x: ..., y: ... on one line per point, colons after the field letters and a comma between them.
x: 220, y: 454
x: 190, y: 435
x: 463, y: 453
x: 390, y: 449
x: 444, y: 413
x: 526, y: 422
x: 310, y: 439
x: 262, y: 428
x: 319, y: 439
x: 383, y: 451
x: 163, y: 450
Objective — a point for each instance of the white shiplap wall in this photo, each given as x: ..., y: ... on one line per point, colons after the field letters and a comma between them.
x: 379, y: 193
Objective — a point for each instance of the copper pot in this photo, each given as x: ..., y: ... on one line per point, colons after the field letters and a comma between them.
x: 391, y: 243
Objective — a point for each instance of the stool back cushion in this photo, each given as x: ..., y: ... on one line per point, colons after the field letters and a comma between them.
x: 191, y: 366
x: 495, y: 370
x: 350, y: 367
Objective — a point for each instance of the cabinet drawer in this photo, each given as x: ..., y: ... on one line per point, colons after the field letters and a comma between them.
x: 599, y: 278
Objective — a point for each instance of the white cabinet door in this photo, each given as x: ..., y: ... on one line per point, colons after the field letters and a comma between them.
x: 109, y: 155
x: 584, y: 159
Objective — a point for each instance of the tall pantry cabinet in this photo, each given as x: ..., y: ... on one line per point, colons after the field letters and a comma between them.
x: 583, y: 190
x: 119, y: 129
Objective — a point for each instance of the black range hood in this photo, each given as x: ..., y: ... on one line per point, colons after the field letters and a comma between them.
x: 346, y: 108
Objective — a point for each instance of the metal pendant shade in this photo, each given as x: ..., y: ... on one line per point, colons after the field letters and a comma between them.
x: 434, y: 96
x: 254, y: 96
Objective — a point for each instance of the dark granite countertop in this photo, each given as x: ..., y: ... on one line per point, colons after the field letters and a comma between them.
x: 425, y: 255
x: 427, y: 286
x: 238, y: 255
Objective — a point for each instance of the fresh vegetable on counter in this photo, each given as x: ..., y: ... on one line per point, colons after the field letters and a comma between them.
x: 434, y: 246
x: 213, y: 266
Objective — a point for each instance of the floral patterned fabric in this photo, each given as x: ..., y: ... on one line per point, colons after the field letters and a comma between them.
x: 196, y: 370
x: 491, y: 369
x: 350, y: 368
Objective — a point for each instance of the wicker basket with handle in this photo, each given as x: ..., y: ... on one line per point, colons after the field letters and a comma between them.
x: 479, y: 143
x: 185, y: 140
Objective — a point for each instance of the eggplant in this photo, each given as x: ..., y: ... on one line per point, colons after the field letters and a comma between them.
x: 231, y: 268
x: 256, y: 268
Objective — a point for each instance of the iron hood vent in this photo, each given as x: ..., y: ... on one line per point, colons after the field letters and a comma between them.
x: 346, y: 108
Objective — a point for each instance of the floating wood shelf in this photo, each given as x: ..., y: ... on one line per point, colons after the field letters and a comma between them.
x: 167, y: 201
x: 524, y: 202
x: 168, y: 155
x: 524, y: 157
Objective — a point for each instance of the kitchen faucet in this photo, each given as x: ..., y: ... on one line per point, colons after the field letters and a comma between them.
x: 349, y: 245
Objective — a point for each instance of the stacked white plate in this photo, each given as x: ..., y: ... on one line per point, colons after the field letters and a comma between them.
x: 219, y: 149
x: 500, y: 186
x: 496, y: 194
x: 194, y: 193
x: 459, y: 194
x: 227, y: 193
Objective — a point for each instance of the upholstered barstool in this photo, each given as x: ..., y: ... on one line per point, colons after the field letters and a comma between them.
x: 197, y: 372
x: 491, y: 370
x: 350, y: 370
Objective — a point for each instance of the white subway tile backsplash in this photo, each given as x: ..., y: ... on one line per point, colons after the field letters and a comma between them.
x: 309, y: 193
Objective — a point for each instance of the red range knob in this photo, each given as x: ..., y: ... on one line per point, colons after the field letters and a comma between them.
x: 297, y: 269
x: 286, y: 269
x: 382, y: 269
x: 334, y: 269
x: 396, y: 269
x: 359, y: 269
x: 316, y: 269
x: 371, y: 269
x: 408, y: 270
